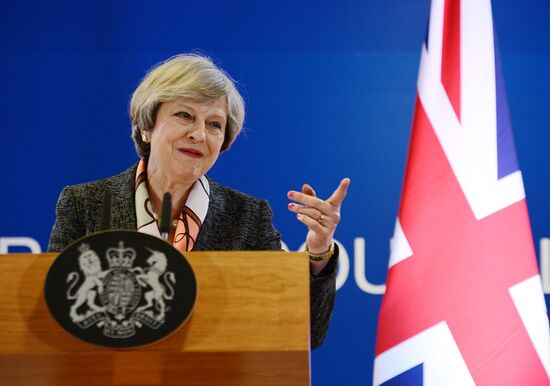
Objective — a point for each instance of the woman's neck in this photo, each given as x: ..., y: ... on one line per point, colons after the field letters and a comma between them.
x: 158, y: 184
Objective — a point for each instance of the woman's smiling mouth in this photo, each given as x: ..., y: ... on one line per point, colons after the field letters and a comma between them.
x: 193, y: 153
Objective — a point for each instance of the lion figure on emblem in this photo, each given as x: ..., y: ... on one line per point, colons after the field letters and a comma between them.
x: 90, y: 265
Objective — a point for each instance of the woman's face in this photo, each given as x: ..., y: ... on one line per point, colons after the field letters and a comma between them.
x: 186, y: 139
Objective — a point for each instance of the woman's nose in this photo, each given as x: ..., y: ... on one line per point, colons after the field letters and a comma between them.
x: 198, y: 131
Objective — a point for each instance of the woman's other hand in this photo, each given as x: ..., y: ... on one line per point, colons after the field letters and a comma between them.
x: 320, y: 216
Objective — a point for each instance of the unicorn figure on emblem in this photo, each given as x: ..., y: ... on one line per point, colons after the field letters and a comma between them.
x: 151, y: 277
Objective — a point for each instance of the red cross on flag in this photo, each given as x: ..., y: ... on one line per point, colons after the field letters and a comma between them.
x: 464, y: 302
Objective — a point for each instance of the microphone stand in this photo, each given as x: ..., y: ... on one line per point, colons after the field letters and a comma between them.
x: 166, y: 216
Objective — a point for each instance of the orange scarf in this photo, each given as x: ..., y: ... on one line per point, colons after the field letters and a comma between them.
x: 188, y: 222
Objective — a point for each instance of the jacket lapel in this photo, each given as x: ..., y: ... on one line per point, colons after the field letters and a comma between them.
x: 124, y: 201
x: 214, y: 223
x: 123, y: 207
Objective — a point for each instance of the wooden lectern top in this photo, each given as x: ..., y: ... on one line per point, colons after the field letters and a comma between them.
x: 250, y: 326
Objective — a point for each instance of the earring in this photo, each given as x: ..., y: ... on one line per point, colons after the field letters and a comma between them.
x: 144, y: 138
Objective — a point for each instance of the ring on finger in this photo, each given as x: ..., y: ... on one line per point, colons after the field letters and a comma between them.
x: 320, y: 220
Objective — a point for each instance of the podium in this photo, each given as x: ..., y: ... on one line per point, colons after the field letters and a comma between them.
x: 250, y: 326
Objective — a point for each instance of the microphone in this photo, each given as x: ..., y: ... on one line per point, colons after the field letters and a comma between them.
x: 105, y: 221
x: 166, y: 216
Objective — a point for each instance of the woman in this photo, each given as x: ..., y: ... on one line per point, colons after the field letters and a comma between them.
x: 184, y: 113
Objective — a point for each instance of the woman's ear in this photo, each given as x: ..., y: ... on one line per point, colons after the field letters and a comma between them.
x: 144, y: 137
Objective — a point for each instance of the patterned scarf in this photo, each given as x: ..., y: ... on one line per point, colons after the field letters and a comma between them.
x: 189, y: 221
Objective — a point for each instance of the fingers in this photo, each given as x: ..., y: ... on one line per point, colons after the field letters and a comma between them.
x: 314, y: 225
x: 310, y: 201
x: 326, y: 220
x: 340, y: 193
x: 308, y: 197
x: 307, y: 189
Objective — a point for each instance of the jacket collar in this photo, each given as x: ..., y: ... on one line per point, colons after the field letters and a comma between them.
x: 124, y: 213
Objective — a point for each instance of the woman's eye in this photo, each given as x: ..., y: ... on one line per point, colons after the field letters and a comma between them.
x: 216, y: 125
x: 183, y: 115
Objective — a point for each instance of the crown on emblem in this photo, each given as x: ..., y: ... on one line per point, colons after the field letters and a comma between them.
x: 120, y: 257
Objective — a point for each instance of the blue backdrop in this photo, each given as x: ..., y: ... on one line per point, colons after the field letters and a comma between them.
x: 330, y: 91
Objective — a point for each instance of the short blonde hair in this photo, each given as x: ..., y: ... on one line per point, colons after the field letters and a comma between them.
x: 186, y: 75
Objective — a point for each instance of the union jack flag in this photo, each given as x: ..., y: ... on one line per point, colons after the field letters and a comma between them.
x: 464, y: 302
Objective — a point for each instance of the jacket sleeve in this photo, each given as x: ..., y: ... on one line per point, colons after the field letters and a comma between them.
x: 322, y: 286
x: 323, y: 293
x: 67, y: 227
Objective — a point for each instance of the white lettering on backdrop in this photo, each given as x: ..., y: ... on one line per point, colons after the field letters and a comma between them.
x: 359, y: 261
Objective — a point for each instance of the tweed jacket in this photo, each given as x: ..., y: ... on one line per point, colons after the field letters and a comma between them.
x: 234, y: 221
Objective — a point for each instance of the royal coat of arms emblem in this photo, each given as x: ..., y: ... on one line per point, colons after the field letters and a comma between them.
x: 123, y: 293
